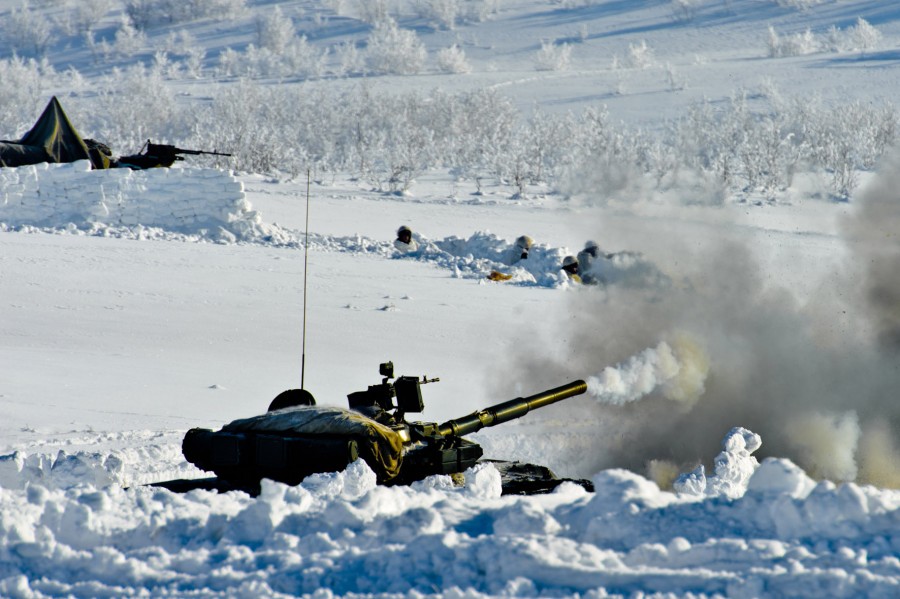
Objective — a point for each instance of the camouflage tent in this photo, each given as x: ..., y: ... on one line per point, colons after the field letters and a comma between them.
x: 52, y: 139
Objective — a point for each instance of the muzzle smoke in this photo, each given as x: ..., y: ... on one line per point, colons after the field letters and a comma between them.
x: 677, y: 371
x: 815, y: 377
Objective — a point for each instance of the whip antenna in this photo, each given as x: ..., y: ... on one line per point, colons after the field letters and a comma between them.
x: 305, y: 262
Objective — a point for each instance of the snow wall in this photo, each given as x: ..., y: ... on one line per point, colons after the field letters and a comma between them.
x: 175, y: 199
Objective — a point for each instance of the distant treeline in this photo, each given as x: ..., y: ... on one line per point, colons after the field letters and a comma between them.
x: 746, y: 145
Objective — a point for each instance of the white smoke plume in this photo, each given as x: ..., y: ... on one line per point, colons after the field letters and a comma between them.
x: 678, y: 371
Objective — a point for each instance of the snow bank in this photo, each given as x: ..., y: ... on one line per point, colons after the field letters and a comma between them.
x: 772, y: 533
x: 208, y: 204
x: 184, y: 200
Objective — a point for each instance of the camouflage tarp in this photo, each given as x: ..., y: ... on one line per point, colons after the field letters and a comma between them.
x: 52, y: 139
x: 380, y: 446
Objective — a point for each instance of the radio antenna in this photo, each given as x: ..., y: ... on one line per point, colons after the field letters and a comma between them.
x: 305, y: 263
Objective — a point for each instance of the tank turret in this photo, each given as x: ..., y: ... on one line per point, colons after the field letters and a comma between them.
x: 296, y: 438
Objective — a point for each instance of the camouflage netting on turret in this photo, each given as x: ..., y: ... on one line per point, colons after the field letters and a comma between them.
x: 379, y: 446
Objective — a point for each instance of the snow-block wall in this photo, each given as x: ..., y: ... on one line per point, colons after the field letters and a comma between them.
x: 185, y: 200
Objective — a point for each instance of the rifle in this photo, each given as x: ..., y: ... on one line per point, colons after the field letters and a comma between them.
x: 160, y: 155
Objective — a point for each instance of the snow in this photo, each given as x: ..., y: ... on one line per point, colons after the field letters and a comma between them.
x: 740, y: 426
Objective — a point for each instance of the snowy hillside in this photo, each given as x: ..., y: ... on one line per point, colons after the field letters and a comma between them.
x: 733, y: 159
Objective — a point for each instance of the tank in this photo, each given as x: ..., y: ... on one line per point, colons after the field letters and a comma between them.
x: 296, y: 438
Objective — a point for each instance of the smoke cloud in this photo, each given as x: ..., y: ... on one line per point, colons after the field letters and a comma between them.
x: 873, y: 233
x: 733, y: 344
x: 678, y: 371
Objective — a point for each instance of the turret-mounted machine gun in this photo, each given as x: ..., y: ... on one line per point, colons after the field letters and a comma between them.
x: 156, y: 155
x: 297, y: 438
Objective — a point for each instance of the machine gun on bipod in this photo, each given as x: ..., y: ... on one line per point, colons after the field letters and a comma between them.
x: 159, y: 155
x: 296, y: 439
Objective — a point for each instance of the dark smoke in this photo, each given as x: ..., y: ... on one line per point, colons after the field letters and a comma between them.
x: 873, y: 233
x: 818, y: 389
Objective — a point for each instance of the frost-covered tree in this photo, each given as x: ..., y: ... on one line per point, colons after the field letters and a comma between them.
x: 453, y: 60
x: 301, y: 58
x: 274, y: 31
x: 193, y: 62
x: 475, y: 128
x: 392, y: 50
x: 129, y: 40
x: 27, y: 32
x: 131, y: 106
x: 22, y: 92
x: 349, y: 58
x: 863, y: 36
x: 87, y: 13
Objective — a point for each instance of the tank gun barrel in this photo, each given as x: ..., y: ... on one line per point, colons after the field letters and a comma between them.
x: 509, y: 410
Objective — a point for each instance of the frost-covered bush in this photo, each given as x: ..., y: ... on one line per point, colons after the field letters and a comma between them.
x: 453, y: 60
x: 22, y: 94
x: 606, y: 160
x: 392, y: 50
x: 373, y: 11
x: 863, y: 36
x: 349, y: 58
x: 850, y: 138
x: 131, y: 106
x: 640, y: 56
x: 762, y: 151
x: 798, y: 44
x: 442, y: 14
x: 87, y: 13
x: 149, y: 13
x: 388, y: 140
x: 129, y: 40
x: 553, y: 57
x: 798, y: 4
x: 298, y: 58
x: 27, y: 32
x: 477, y: 11
x: 274, y: 31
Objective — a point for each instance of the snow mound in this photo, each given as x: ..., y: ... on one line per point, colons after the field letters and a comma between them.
x: 755, y: 527
x: 733, y: 468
